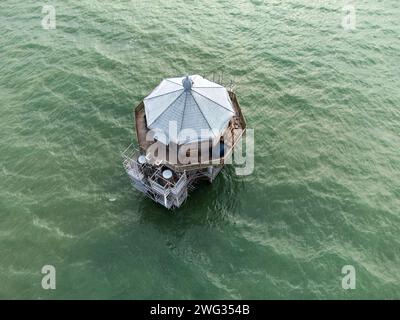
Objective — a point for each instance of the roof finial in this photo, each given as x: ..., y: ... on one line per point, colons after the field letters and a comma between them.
x: 187, y: 83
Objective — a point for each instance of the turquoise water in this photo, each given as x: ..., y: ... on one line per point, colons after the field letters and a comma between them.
x: 323, y: 101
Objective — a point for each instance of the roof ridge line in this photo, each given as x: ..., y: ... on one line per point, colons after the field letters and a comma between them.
x: 183, y: 113
x: 204, y: 116
x: 166, y: 108
x: 179, y: 84
x: 212, y: 100
x: 164, y: 94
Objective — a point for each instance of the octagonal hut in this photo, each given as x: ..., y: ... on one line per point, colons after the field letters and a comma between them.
x: 187, y: 129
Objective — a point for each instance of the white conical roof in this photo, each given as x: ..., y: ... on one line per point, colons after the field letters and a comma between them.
x: 190, y: 102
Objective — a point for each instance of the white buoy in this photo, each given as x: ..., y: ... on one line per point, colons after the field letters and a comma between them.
x: 167, y: 174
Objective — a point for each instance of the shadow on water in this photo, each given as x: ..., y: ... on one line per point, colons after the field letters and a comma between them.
x: 144, y: 241
x: 209, y: 205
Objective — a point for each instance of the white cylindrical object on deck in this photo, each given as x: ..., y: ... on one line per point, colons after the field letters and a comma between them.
x: 142, y: 159
x: 167, y: 174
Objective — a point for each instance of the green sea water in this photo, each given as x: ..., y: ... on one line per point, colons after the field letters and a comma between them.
x: 323, y: 100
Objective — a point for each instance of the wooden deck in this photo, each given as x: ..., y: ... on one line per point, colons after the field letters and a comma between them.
x: 141, y: 127
x: 231, y: 136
